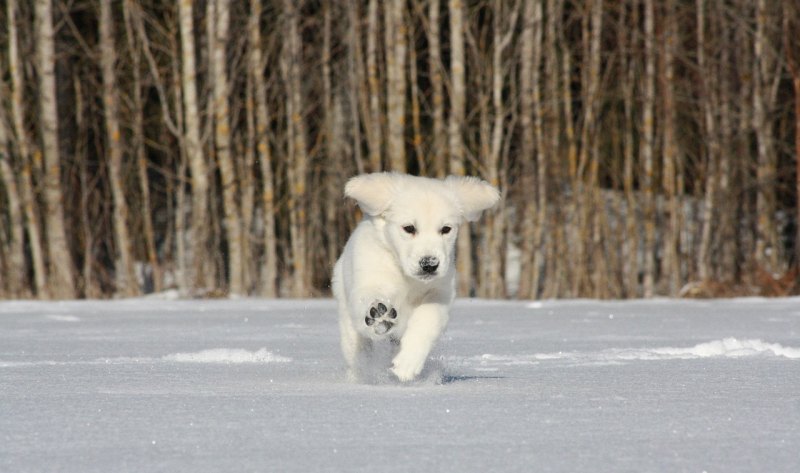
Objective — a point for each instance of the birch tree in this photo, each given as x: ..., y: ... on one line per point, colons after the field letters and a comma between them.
x: 232, y: 220
x: 435, y: 68
x: 127, y: 284
x: 269, y: 273
x: 767, y: 248
x: 15, y: 271
x: 670, y: 150
x: 138, y: 143
x: 61, y: 281
x: 24, y: 155
x: 201, y: 276
x: 647, y: 149
x: 396, y: 51
x: 455, y: 129
x: 298, y: 152
x: 374, y: 126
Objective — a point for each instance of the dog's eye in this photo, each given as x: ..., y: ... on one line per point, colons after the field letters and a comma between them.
x: 445, y: 229
x: 410, y: 229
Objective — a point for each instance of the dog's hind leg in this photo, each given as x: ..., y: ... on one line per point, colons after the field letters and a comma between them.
x: 351, y: 342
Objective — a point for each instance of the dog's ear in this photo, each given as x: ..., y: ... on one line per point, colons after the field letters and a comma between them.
x: 474, y: 195
x: 373, y: 192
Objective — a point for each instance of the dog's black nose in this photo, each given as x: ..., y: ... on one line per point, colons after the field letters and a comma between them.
x: 429, y: 264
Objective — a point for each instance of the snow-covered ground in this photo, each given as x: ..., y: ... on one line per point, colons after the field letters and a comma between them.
x: 258, y: 385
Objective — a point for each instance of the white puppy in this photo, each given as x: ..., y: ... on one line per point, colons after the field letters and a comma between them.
x: 395, y: 280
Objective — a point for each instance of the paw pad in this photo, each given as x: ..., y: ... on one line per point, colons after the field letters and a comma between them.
x: 381, y: 318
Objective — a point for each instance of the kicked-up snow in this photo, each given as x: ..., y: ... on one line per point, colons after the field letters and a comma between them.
x: 227, y: 355
x: 259, y: 385
x: 728, y: 347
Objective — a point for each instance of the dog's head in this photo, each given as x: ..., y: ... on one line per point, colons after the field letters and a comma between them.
x: 419, y: 217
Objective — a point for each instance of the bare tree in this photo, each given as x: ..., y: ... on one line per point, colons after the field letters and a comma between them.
x: 23, y: 145
x: 201, y: 276
x: 61, y: 280
x: 647, y: 149
x: 374, y: 126
x: 767, y: 247
x: 455, y: 129
x: 790, y: 30
x: 670, y: 149
x: 395, y: 35
x: 631, y: 264
x: 436, y: 67
x: 126, y: 281
x: 15, y: 252
x: 138, y: 143
x: 298, y: 165
x: 269, y: 274
x: 232, y: 220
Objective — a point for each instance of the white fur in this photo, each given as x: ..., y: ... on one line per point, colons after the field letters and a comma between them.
x: 382, y: 263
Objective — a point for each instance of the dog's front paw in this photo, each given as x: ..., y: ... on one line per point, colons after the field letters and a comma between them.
x: 381, y: 318
x: 406, y: 366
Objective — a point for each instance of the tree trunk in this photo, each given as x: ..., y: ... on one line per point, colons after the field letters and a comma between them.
x: 126, y: 281
x: 647, y: 150
x: 395, y: 35
x: 709, y: 104
x: 435, y: 66
x: 139, y: 148
x: 232, y: 221
x: 767, y: 247
x: 90, y: 287
x: 670, y: 151
x: 202, y: 275
x: 530, y: 27
x: 552, y: 128
x: 269, y: 274
x: 597, y: 206
x: 416, y: 119
x: 631, y: 263
x: 62, y: 284
x: 16, y: 254
x: 573, y: 257
x: 359, y: 96
x: 374, y: 127
x: 458, y: 98
x: 298, y: 166
x: 24, y: 155
x: 491, y: 260
x: 791, y: 29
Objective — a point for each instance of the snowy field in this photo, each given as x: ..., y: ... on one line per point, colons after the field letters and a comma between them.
x: 258, y: 385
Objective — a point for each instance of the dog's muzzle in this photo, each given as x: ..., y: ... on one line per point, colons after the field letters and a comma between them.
x: 429, y: 265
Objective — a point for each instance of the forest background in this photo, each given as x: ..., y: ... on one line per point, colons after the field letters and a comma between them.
x: 642, y: 147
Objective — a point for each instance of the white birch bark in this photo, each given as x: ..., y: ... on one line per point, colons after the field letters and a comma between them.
x: 201, y: 275
x: 61, y: 279
x: 126, y: 281
x: 269, y: 273
x: 458, y: 97
x: 232, y: 221
x: 25, y: 157
x: 15, y: 249
x: 647, y: 149
x: 374, y: 127
x: 395, y: 35
x: 298, y: 166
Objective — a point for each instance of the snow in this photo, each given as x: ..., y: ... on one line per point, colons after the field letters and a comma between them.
x: 157, y: 384
x: 228, y: 355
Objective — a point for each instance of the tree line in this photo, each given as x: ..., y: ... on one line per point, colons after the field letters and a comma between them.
x: 642, y: 147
